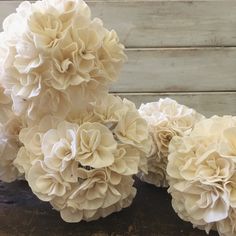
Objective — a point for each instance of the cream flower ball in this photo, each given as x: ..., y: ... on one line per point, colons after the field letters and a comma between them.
x: 166, y: 119
x: 53, y: 47
x: 202, y: 175
x: 84, y: 165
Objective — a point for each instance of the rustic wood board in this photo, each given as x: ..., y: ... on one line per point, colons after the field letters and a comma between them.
x: 178, y: 69
x: 209, y: 104
x: 151, y: 214
x: 163, y: 23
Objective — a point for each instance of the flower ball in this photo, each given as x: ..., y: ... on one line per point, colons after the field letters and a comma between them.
x: 202, y: 175
x: 84, y: 165
x: 166, y: 119
x: 53, y: 54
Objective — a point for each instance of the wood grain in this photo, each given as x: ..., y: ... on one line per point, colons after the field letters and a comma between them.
x: 209, y: 103
x: 22, y: 214
x: 163, y: 23
x: 178, y: 69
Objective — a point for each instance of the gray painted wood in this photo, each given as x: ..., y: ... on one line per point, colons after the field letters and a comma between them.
x: 209, y: 103
x: 163, y: 23
x: 178, y: 69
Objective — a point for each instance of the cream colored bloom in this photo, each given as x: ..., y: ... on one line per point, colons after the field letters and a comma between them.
x: 32, y: 136
x: 46, y: 184
x: 227, y: 227
x: 10, y: 126
x: 126, y: 160
x: 5, y: 106
x: 96, y: 145
x: 110, y: 110
x: 111, y: 55
x: 166, y: 119
x: 133, y: 130
x: 24, y: 161
x: 8, y: 151
x: 202, y: 176
x: 104, y: 191
x: 9, y: 146
x: 59, y: 146
x: 49, y: 102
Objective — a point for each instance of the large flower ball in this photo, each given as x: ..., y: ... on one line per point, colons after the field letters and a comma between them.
x: 202, y: 175
x: 52, y: 50
x: 166, y: 119
x: 84, y: 166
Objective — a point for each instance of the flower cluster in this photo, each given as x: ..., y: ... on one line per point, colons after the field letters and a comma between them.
x: 53, y: 54
x: 166, y: 119
x: 77, y: 146
x: 202, y: 175
x: 84, y: 166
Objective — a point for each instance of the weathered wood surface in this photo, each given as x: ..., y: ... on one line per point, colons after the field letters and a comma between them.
x: 151, y: 214
x: 178, y: 69
x: 209, y: 103
x: 163, y: 23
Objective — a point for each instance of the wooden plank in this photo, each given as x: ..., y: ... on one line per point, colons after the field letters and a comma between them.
x: 163, y: 23
x: 209, y: 104
x: 22, y: 214
x: 178, y: 69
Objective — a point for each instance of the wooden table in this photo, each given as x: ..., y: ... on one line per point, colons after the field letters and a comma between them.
x: 21, y: 214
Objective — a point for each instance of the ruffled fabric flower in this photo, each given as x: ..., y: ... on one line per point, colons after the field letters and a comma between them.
x: 201, y: 174
x: 9, y: 147
x: 10, y: 126
x: 166, y: 119
x: 5, y: 106
x: 52, y: 47
x: 82, y: 166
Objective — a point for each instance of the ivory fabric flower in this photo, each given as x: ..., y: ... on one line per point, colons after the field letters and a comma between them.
x: 84, y: 165
x: 166, y: 119
x: 5, y: 106
x: 201, y: 174
x: 10, y: 126
x: 51, y: 48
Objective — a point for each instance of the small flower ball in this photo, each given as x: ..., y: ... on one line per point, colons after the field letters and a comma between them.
x: 52, y: 54
x: 166, y: 119
x: 202, y: 175
x: 84, y: 166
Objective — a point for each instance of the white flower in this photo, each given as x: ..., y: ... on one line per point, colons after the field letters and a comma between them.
x: 202, y: 176
x: 46, y: 184
x: 132, y: 129
x: 111, y: 55
x: 166, y: 119
x: 96, y: 145
x: 9, y: 146
x: 111, y: 109
x: 59, y: 146
x: 49, y: 102
x: 227, y: 227
x: 126, y: 160
x: 5, y: 106
x: 100, y: 194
